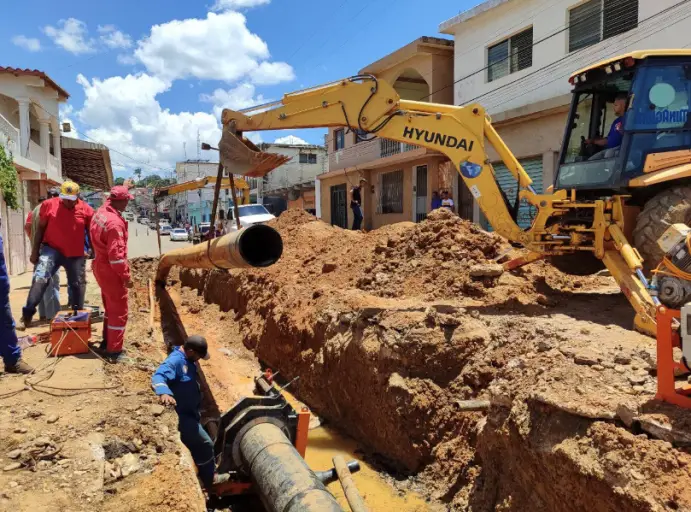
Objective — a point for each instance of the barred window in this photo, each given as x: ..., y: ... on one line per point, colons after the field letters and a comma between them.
x: 391, y: 192
x: 308, y: 158
x: 597, y: 20
x: 339, y: 139
x: 511, y: 55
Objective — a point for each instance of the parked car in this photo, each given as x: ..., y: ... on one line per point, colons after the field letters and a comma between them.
x: 249, y: 214
x: 179, y: 235
x: 152, y: 225
x: 129, y: 216
x: 143, y: 220
x: 201, y: 232
x: 165, y: 229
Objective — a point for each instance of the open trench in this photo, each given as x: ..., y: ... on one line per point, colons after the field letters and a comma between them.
x: 229, y: 375
x: 390, y: 379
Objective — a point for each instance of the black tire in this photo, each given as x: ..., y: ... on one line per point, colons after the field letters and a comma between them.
x: 667, y: 207
x: 578, y: 264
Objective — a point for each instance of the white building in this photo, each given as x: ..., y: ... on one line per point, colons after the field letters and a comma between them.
x: 30, y: 131
x: 514, y: 57
x: 292, y: 184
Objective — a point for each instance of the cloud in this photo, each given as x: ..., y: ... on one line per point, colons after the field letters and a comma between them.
x: 291, y: 139
x: 219, y: 47
x: 28, y: 43
x: 224, y: 5
x: 239, y: 97
x: 126, y: 60
x: 113, y: 38
x: 128, y: 118
x: 71, y: 36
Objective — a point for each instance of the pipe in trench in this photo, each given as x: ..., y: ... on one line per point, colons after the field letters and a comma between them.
x: 283, y: 479
x: 257, y: 245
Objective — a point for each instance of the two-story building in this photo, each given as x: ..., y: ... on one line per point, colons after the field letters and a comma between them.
x: 515, y: 57
x: 292, y: 184
x: 400, y: 177
x: 30, y: 132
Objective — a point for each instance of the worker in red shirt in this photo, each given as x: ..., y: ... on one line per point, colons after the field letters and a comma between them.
x: 58, y: 242
x: 111, y: 268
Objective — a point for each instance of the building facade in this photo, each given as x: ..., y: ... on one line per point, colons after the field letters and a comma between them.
x: 292, y: 184
x: 400, y: 177
x: 30, y: 132
x: 514, y: 57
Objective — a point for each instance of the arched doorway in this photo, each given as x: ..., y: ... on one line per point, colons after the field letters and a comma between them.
x: 411, y: 85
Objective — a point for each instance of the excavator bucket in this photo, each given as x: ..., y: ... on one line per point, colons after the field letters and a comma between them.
x: 240, y: 156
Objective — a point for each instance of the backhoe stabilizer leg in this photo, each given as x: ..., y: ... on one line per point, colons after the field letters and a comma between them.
x: 634, y: 290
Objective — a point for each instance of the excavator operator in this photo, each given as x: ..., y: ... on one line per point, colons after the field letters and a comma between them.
x: 612, y: 142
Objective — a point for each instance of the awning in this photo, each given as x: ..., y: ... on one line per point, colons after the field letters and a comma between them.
x: 90, y: 167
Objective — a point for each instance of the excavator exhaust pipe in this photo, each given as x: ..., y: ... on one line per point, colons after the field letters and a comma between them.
x: 240, y: 156
x: 254, y: 246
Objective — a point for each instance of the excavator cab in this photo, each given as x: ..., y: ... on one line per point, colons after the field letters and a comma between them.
x: 625, y: 115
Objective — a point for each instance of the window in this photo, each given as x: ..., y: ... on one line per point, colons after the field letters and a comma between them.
x: 391, y: 192
x: 511, y: 55
x: 596, y: 20
x: 308, y: 158
x: 339, y: 139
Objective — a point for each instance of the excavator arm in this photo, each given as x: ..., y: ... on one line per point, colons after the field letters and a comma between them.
x: 463, y: 134
x: 373, y: 106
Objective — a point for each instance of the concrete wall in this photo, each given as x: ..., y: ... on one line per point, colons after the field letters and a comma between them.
x: 474, y: 36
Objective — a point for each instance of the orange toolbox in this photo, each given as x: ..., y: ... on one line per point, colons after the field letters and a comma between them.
x: 70, y: 333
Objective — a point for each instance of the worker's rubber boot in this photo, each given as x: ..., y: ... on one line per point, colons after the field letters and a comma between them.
x: 19, y: 367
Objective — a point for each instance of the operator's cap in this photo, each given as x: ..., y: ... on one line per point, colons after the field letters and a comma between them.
x: 120, y: 192
x: 198, y: 344
x: 69, y: 190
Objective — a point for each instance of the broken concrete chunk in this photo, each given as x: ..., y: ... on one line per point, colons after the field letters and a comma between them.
x: 622, y: 359
x: 636, y: 379
x: 486, y: 270
x: 12, y: 466
x: 15, y: 454
x: 586, y: 358
x: 53, y: 418
x: 129, y: 464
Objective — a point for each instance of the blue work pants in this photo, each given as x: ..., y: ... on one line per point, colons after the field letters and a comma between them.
x: 200, y: 445
x: 49, y: 261
x: 9, y: 348
x: 50, y: 303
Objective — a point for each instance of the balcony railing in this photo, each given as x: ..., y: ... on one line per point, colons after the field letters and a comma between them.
x: 392, y: 147
x: 9, y: 136
x: 53, y: 168
x: 37, y: 154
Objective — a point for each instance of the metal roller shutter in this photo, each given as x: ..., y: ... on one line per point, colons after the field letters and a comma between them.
x: 533, y: 166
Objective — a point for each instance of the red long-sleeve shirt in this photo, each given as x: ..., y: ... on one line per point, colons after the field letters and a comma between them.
x: 109, y: 240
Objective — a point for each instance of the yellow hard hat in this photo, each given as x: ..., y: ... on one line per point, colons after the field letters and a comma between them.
x: 69, y: 190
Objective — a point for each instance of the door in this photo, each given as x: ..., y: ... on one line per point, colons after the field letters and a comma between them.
x: 464, y: 201
x: 15, y: 248
x: 533, y: 166
x: 420, y: 193
x: 339, y: 211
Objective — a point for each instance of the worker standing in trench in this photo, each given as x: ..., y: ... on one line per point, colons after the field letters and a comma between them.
x: 175, y: 382
x: 111, y: 268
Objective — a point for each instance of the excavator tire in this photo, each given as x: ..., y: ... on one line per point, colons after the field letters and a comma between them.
x: 578, y: 264
x: 667, y: 207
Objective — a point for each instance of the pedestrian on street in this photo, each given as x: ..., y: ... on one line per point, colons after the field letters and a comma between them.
x: 9, y: 345
x: 175, y: 383
x: 356, y: 204
x: 436, y: 201
x: 111, y: 268
x: 50, y: 303
x: 58, y: 242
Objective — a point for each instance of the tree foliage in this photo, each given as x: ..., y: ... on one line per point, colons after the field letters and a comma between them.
x: 9, y: 182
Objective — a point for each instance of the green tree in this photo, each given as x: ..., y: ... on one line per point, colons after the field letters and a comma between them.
x: 8, y: 180
x: 138, y: 173
x: 119, y: 181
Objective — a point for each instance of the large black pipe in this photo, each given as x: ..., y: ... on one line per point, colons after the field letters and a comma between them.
x: 283, y: 479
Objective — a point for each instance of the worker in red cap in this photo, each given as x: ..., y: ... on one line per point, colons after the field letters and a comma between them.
x: 111, y: 268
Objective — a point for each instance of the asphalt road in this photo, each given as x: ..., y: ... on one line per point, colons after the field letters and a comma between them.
x: 142, y: 242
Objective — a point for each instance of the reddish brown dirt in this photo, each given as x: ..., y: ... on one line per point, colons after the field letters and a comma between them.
x: 387, y: 331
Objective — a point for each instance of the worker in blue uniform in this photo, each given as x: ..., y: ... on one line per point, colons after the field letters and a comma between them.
x: 175, y: 382
x: 9, y: 346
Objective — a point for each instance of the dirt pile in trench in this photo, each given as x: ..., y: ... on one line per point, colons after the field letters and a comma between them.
x: 388, y: 331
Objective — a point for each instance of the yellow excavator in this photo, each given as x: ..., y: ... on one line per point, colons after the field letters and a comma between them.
x: 621, y: 196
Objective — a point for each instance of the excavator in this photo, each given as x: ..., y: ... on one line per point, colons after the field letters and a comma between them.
x: 624, y: 206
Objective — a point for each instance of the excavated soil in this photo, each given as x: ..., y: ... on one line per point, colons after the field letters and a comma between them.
x: 388, y: 331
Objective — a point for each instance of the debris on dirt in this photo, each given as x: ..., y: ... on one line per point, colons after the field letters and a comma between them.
x: 156, y: 410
